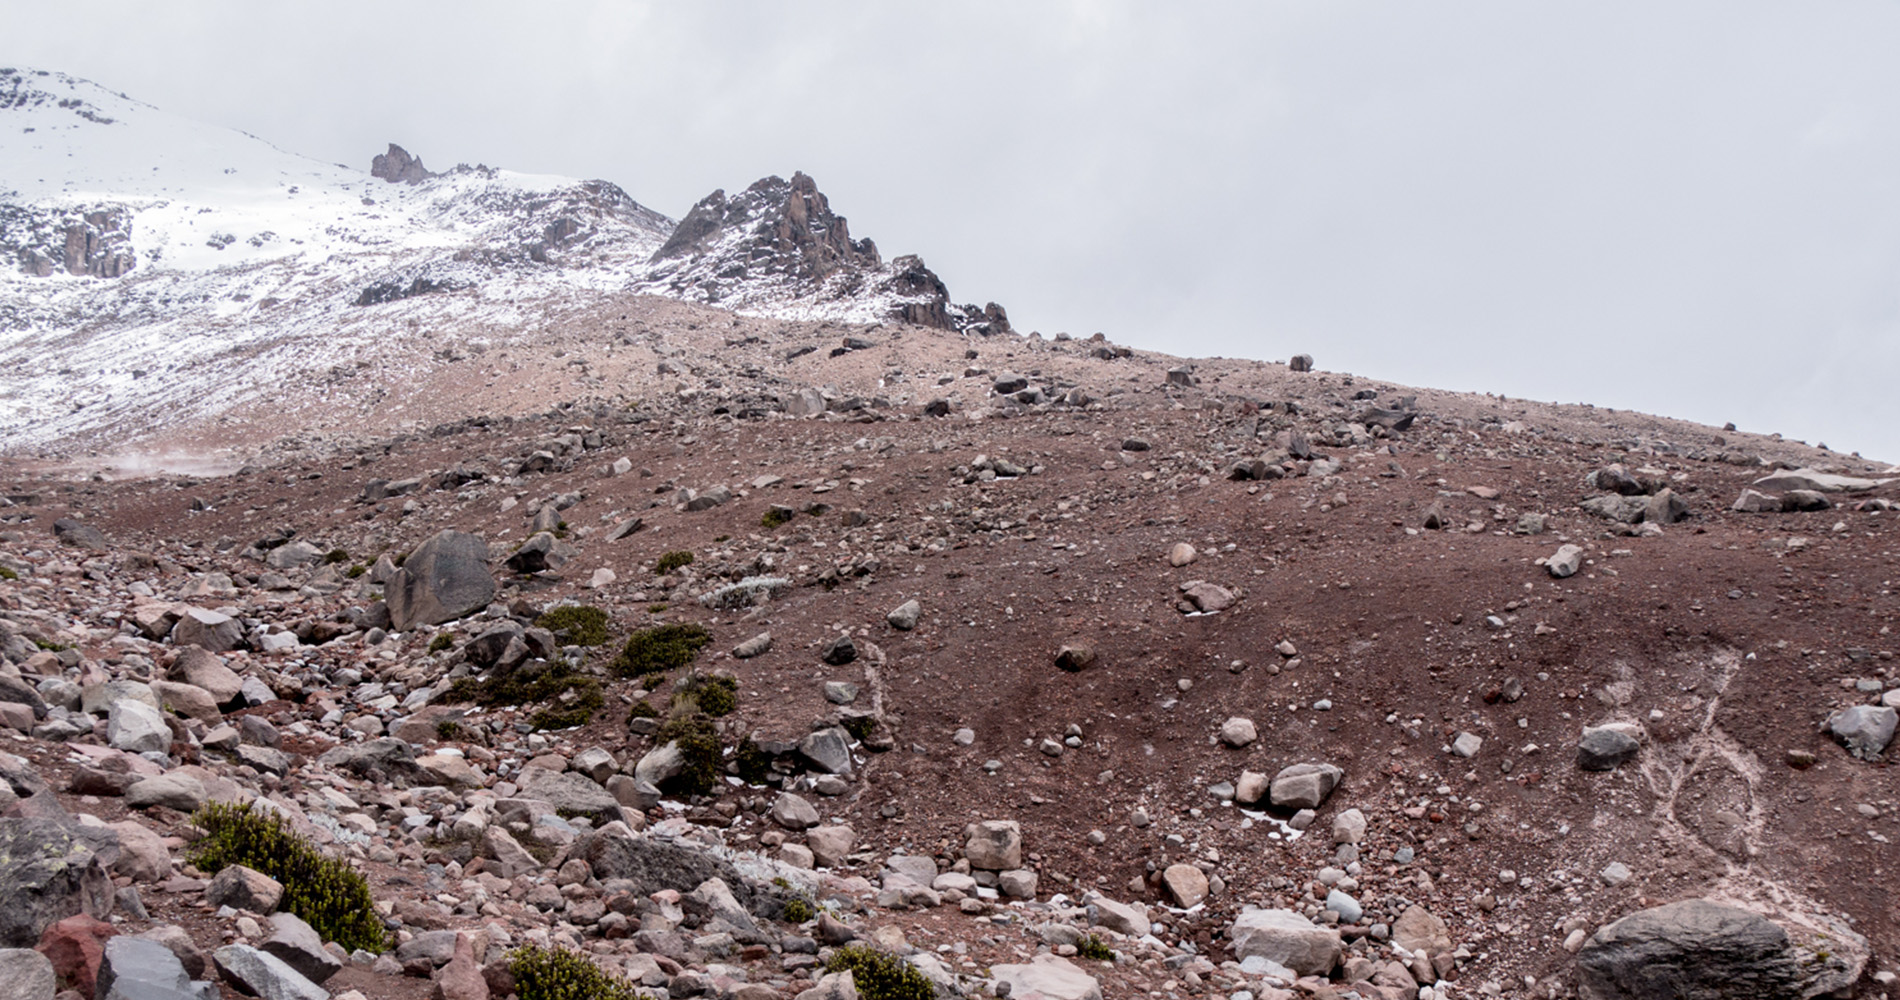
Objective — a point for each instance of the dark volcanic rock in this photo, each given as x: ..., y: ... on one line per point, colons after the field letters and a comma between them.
x: 444, y: 579
x: 46, y: 874
x: 398, y: 167
x: 1707, y: 951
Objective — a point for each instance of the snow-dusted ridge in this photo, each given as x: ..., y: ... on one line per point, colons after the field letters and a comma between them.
x: 155, y: 269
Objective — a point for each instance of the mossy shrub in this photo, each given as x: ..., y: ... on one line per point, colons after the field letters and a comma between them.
x: 798, y: 909
x: 659, y: 649
x: 442, y: 641
x: 713, y: 694
x: 698, y: 742
x: 330, y: 896
x: 572, y: 697
x: 1094, y: 949
x: 642, y: 709
x: 880, y: 975
x: 751, y: 763
x: 579, y: 624
x: 7, y: 573
x: 776, y: 517
x: 336, y: 556
x: 670, y: 561
x: 559, y: 974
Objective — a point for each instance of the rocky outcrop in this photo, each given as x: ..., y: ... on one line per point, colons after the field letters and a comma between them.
x: 398, y: 167
x: 95, y: 242
x: 1712, y: 951
x: 444, y: 579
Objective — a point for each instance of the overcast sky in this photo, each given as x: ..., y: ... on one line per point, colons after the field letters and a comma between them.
x: 1686, y: 208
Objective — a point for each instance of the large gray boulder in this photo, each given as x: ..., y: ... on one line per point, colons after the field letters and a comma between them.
x: 26, y: 974
x: 1285, y: 938
x: 445, y: 578
x: 209, y: 630
x: 202, y: 668
x: 569, y: 793
x: 47, y: 873
x: 262, y: 974
x: 1049, y: 977
x: 136, y: 968
x: 653, y: 864
x: 301, y: 948
x: 1865, y: 730
x: 388, y: 755
x: 1703, y: 950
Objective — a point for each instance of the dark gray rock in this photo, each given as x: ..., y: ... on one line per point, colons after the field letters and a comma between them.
x: 20, y: 692
x: 141, y: 969
x: 828, y: 750
x: 47, y: 873
x: 1605, y: 748
x: 542, y: 551
x: 1701, y: 950
x: 839, y: 651
x: 388, y: 755
x: 653, y: 864
x: 445, y: 578
x: 301, y: 948
x: 570, y: 794
x: 79, y: 534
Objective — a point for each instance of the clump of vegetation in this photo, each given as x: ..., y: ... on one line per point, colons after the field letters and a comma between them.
x: 7, y: 573
x: 659, y: 649
x: 642, y: 709
x: 49, y: 646
x: 579, y: 624
x: 657, y: 609
x: 798, y: 909
x: 442, y: 641
x: 560, y: 529
x: 559, y: 974
x: 448, y: 729
x: 670, y: 561
x: 356, y: 570
x: 1094, y: 949
x: 335, y: 556
x: 880, y: 975
x: 776, y: 516
x: 713, y: 694
x: 330, y: 896
x: 698, y: 741
x: 574, y: 697
x: 751, y: 763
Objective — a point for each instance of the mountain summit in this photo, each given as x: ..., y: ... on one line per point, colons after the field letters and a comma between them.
x: 166, y: 269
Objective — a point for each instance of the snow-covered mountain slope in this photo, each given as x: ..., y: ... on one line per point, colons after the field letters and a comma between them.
x: 155, y: 270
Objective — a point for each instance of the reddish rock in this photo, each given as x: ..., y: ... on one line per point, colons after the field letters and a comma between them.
x: 462, y: 978
x: 76, y: 946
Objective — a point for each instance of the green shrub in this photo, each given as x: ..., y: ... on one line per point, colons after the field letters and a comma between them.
x: 751, y: 763
x: 657, y: 609
x: 577, y: 623
x: 670, y: 561
x: 880, y: 975
x: 356, y: 570
x: 859, y: 726
x: 574, y: 696
x: 442, y: 641
x: 51, y: 647
x: 699, y: 751
x: 776, y: 516
x: 330, y: 896
x: 798, y: 910
x: 559, y: 974
x: 659, y: 649
x: 1094, y: 949
x: 448, y: 729
x: 335, y: 556
x: 642, y: 709
x: 714, y: 695
x: 7, y: 573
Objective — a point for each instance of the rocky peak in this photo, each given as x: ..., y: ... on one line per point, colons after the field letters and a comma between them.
x: 787, y: 225
x: 398, y: 167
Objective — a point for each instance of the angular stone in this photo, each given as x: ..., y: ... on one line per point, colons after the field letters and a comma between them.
x: 1047, y: 977
x: 1123, y: 918
x: 904, y: 617
x: 1251, y: 788
x: 47, y: 873
x: 994, y: 844
x: 828, y: 750
x: 172, y: 790
x: 208, y: 630
x: 244, y: 889
x: 1237, y: 732
x: 461, y: 978
x: 1754, y: 502
x: 1349, y: 827
x: 830, y: 844
x: 1418, y: 929
x: 1865, y: 730
x: 299, y: 946
x: 1566, y: 561
x: 1605, y: 748
x: 264, y: 975
x: 1304, y: 786
x: 1286, y: 938
x: 1186, y: 884
x: 793, y: 812
x: 188, y: 700
x: 758, y: 645
x: 445, y: 578
x: 570, y: 794
x: 143, y: 856
x: 1711, y: 951
x: 25, y: 974
x: 76, y: 947
x: 1075, y: 656
x: 136, y: 727
x: 137, y: 968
